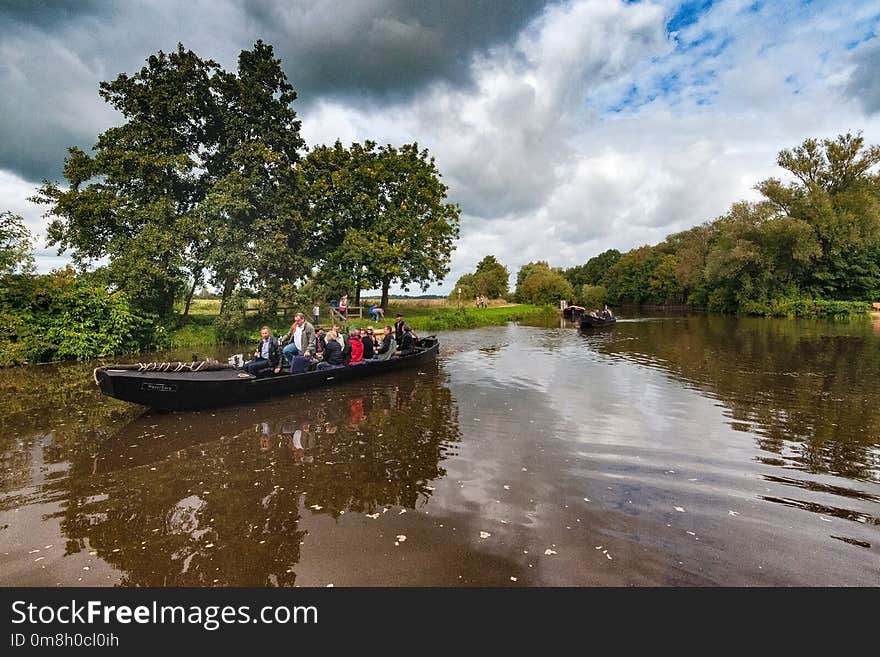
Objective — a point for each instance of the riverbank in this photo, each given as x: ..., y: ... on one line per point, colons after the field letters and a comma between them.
x: 198, y: 329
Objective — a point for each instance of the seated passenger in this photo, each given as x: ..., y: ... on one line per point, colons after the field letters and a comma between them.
x: 332, y: 352
x: 267, y: 355
x: 367, y: 342
x: 320, y: 340
x: 356, y: 348
x: 389, y: 346
x: 407, y: 344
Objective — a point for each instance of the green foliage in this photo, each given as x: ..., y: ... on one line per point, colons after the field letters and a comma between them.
x: 540, y: 285
x: 231, y: 321
x: 377, y: 215
x: 815, y: 238
x: 469, y: 317
x: 594, y: 271
x: 802, y: 307
x: 62, y: 315
x: 490, y: 280
x: 198, y: 177
x: 15, y: 245
x: 592, y: 296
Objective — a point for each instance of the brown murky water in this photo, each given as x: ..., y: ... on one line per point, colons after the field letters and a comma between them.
x: 664, y: 451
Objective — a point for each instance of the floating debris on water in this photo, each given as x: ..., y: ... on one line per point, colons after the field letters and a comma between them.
x: 549, y: 552
x: 485, y: 534
x: 679, y: 509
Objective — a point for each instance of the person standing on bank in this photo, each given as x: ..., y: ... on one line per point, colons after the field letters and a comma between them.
x: 316, y: 310
x: 267, y: 355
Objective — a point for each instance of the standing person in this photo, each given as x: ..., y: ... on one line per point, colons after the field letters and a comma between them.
x: 399, y: 325
x: 316, y: 310
x: 343, y: 305
x: 267, y: 355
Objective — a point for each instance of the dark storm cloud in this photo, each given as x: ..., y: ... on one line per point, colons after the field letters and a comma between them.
x: 864, y: 84
x: 48, y: 13
x: 53, y: 55
x: 389, y: 48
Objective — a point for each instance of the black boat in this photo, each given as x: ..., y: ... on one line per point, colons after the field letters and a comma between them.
x: 194, y: 386
x: 588, y: 321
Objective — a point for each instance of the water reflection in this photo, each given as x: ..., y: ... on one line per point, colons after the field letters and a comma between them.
x: 216, y: 498
x: 807, y: 389
x: 673, y: 450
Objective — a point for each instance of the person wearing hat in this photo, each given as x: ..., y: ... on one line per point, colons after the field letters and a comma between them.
x: 399, y: 325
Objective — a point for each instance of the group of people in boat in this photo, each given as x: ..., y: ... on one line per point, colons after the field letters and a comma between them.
x: 304, y: 348
x: 605, y: 313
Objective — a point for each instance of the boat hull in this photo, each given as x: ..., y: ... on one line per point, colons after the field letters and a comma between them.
x: 592, y: 322
x: 172, y: 391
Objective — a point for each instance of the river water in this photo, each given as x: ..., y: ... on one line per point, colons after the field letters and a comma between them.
x: 665, y: 451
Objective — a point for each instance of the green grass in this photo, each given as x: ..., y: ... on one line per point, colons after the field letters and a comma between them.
x: 198, y: 330
x: 445, y: 318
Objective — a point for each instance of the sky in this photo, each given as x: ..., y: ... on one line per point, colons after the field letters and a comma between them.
x: 562, y: 129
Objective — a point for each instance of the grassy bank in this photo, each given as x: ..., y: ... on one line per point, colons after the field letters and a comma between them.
x: 423, y: 318
x: 198, y: 328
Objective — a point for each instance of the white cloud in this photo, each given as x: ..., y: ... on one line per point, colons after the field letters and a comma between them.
x: 541, y: 164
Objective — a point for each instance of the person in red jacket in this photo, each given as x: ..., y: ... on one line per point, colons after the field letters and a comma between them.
x: 357, y: 348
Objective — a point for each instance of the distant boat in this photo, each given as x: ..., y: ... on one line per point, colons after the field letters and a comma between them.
x: 193, y: 386
x: 573, y: 313
x: 588, y: 321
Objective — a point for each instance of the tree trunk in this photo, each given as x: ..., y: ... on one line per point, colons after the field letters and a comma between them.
x: 224, y: 297
x: 192, y: 291
x: 357, y: 292
x: 386, y: 283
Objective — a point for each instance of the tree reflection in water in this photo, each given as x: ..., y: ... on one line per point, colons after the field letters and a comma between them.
x: 806, y: 388
x: 221, y: 503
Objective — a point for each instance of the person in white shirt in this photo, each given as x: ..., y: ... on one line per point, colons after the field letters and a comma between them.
x: 300, y: 339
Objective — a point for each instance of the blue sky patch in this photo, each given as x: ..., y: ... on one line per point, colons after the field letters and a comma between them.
x: 688, y: 14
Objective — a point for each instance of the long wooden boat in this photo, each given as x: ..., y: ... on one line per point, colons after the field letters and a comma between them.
x: 187, y: 390
x: 588, y: 321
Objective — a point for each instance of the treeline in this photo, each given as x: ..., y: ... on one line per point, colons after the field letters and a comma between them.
x: 208, y: 181
x: 808, y: 247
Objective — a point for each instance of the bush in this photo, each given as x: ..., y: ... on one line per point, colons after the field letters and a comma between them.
x: 64, y: 316
x: 231, y: 320
x: 802, y: 307
x: 593, y: 296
